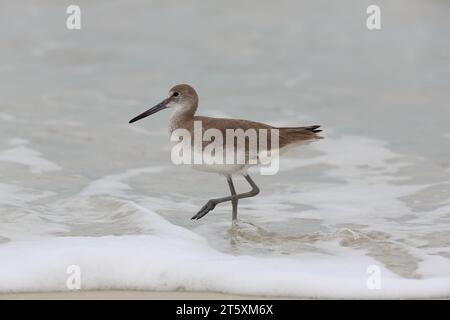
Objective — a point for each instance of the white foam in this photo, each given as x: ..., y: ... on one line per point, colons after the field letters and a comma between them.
x: 24, y: 155
x: 365, y: 183
x: 7, y: 117
x: 114, y: 184
x: 183, y: 261
x: 351, y: 157
x: 17, y: 196
x: 435, y: 266
x: 19, y: 219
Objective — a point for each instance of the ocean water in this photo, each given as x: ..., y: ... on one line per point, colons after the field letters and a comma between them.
x: 80, y: 186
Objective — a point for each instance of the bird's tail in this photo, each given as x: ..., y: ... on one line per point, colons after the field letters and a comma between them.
x: 299, y: 134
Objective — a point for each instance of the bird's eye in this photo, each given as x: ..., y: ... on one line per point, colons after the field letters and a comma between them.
x: 176, y: 94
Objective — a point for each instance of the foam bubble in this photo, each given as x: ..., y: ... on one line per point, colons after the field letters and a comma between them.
x: 21, y: 154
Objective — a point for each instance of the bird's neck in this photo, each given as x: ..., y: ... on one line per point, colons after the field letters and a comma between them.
x: 182, y: 114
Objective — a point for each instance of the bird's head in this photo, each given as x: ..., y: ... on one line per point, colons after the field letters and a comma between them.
x: 181, y: 97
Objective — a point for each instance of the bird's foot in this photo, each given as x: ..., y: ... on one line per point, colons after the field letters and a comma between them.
x: 210, y: 205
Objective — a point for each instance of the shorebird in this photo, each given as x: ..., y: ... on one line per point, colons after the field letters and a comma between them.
x: 184, y: 100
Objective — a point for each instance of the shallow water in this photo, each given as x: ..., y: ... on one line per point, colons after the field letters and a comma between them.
x: 78, y: 185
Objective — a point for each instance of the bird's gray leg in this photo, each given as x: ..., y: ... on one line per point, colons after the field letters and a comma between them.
x: 255, y: 190
x: 211, y: 204
x: 234, y: 199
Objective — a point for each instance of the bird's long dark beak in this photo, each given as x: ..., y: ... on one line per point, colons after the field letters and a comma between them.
x: 160, y: 106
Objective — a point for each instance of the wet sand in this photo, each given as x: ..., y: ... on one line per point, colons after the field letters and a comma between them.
x: 128, y: 295
x: 142, y: 295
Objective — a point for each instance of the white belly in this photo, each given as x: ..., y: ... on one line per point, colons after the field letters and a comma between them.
x: 226, y: 169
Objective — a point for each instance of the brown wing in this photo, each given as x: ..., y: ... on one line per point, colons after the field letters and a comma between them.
x: 286, y: 136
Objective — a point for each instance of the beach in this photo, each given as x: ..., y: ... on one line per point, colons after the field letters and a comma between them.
x: 88, y: 200
x: 128, y: 295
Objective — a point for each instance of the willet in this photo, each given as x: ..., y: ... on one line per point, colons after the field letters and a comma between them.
x: 184, y: 100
